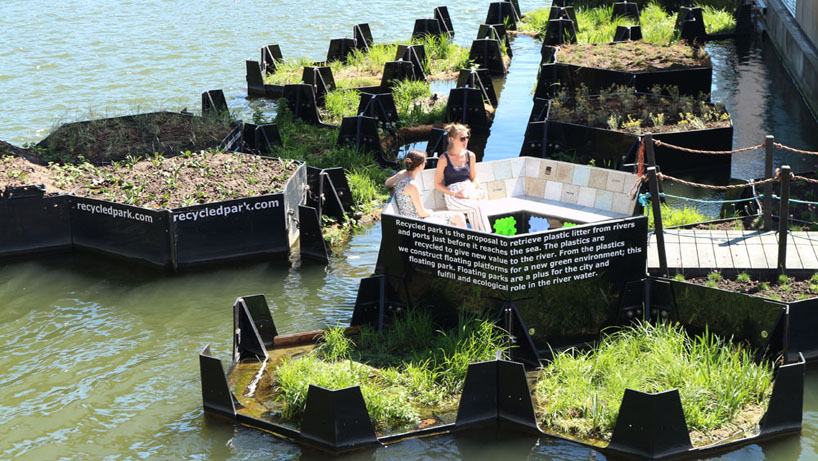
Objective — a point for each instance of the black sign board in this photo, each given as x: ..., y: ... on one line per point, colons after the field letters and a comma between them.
x: 575, y: 276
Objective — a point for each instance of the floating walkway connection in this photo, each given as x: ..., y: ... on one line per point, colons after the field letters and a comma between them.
x: 733, y: 249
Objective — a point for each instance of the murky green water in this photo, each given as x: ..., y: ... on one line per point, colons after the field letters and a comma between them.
x: 99, y: 360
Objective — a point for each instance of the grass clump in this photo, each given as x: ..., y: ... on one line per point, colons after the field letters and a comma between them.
x: 675, y: 216
x: 339, y: 104
x: 408, y: 368
x: 579, y: 394
x: 657, y: 20
x: 412, y: 100
x: 363, y: 69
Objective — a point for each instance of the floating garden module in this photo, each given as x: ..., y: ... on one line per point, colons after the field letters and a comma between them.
x: 606, y: 129
x: 128, y: 199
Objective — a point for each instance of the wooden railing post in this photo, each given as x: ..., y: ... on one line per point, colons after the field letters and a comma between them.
x: 783, y: 218
x: 649, y: 152
x: 659, y: 231
x: 767, y: 204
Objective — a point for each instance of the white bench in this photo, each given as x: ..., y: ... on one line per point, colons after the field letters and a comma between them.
x: 565, y: 191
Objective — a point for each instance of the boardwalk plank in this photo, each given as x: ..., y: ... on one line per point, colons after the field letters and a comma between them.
x: 704, y: 249
x: 771, y: 253
x: 806, y: 251
x: 721, y: 248
x: 674, y: 257
x: 735, y: 249
x: 793, y: 261
x: 653, y: 251
x: 690, y: 257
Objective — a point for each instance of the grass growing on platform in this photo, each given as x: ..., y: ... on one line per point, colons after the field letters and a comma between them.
x: 318, y: 147
x: 407, y: 368
x: 412, y: 100
x: 596, y: 24
x: 580, y: 392
x: 672, y: 217
x: 444, y: 58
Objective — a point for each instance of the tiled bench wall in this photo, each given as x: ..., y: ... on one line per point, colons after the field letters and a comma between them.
x: 580, y: 185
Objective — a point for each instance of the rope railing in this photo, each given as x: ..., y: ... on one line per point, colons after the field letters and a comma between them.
x: 780, y: 146
x: 784, y: 176
x: 777, y: 145
x: 805, y: 179
x: 662, y: 176
x: 708, y: 152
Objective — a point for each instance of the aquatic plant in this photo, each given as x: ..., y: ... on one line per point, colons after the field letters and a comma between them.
x: 579, y: 393
x: 339, y: 104
x: 409, y: 366
x: 416, y: 104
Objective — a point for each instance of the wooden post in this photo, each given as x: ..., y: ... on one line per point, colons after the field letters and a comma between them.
x: 767, y: 204
x: 659, y: 231
x: 649, y: 153
x: 783, y: 218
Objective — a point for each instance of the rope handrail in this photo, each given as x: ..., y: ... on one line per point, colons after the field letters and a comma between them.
x: 709, y: 152
x: 804, y: 178
x: 780, y: 146
x: 662, y: 176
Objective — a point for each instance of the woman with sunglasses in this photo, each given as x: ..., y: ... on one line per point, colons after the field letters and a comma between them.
x: 456, y: 177
x: 407, y: 194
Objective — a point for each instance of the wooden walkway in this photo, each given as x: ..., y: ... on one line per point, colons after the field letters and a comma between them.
x: 719, y: 249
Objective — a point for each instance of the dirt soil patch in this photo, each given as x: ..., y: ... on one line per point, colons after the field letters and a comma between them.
x: 184, y: 180
x: 621, y: 110
x: 105, y: 140
x: 636, y: 56
x: 787, y: 290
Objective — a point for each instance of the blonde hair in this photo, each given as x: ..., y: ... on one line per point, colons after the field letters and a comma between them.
x: 456, y: 129
x: 414, y: 159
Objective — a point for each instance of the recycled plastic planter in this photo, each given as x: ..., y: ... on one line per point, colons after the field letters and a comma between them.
x: 649, y: 426
x: 759, y: 321
x: 613, y: 148
x: 556, y: 76
x: 34, y: 224
x: 253, y: 227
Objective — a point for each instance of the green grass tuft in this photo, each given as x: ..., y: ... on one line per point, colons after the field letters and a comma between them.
x: 580, y: 392
x: 417, y: 366
x: 675, y: 216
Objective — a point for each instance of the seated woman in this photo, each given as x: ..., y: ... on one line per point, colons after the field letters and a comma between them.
x: 407, y: 193
x: 456, y: 177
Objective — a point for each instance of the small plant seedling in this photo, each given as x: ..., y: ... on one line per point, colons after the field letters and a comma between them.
x: 784, y: 280
x: 743, y: 277
x: 763, y: 286
x: 679, y: 277
x: 714, y: 277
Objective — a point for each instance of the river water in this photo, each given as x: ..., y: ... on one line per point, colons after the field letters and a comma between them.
x: 99, y: 360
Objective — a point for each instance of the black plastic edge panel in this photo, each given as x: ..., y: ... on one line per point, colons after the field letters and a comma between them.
x: 337, y: 419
